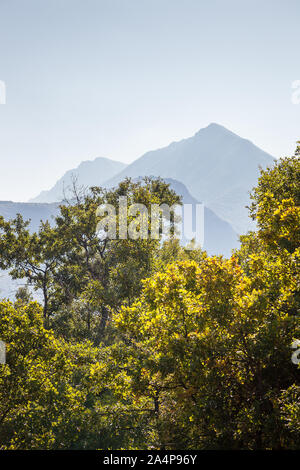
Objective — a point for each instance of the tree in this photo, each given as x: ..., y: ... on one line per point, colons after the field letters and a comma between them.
x: 31, y: 256
x: 71, y: 261
x: 44, y: 383
x: 211, y: 354
x: 198, y: 352
x: 276, y: 205
x: 209, y: 343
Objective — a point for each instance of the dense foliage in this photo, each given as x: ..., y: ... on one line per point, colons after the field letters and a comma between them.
x: 142, y: 344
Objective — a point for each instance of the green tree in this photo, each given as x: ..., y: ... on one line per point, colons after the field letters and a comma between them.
x: 44, y: 384
x: 208, y: 344
x: 276, y: 205
x: 71, y: 262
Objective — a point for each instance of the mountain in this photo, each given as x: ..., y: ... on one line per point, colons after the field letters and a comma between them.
x: 219, y: 236
x: 217, y: 166
x: 30, y: 210
x: 88, y: 173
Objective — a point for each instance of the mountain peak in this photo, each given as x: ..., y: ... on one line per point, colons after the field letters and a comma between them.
x: 215, y: 125
x: 216, y: 165
x: 87, y: 173
x: 215, y: 128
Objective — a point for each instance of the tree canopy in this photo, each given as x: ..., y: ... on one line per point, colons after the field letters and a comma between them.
x: 146, y: 344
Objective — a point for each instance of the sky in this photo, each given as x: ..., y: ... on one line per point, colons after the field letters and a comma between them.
x: 117, y: 78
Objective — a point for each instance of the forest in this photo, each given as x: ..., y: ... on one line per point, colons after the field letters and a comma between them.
x: 144, y: 344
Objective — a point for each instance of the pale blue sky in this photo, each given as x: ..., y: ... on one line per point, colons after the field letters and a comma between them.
x: 116, y: 78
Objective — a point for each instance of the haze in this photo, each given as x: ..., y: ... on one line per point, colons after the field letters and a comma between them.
x: 116, y: 78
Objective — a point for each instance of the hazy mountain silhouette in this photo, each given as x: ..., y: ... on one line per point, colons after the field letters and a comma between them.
x: 88, y: 173
x: 35, y: 212
x: 219, y: 236
x: 217, y: 166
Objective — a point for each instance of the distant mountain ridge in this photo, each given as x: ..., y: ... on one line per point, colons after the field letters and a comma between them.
x: 88, y: 173
x: 217, y: 166
x: 33, y: 211
x: 219, y: 236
